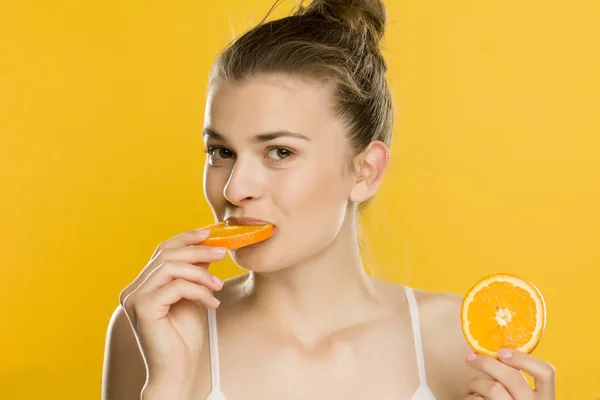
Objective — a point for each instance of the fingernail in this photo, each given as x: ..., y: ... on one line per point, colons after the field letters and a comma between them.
x: 470, y: 357
x: 218, y: 250
x: 216, y: 302
x: 217, y: 281
x: 202, y: 231
x: 505, y: 353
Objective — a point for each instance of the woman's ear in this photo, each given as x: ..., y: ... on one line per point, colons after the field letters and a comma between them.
x: 369, y: 165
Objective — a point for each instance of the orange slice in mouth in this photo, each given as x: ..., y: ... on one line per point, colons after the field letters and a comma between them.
x: 233, y: 237
x: 503, y: 311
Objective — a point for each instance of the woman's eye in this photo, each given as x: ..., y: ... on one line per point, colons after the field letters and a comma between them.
x: 279, y: 153
x: 219, y: 152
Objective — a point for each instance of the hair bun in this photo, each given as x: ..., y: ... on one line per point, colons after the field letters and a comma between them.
x: 367, y: 18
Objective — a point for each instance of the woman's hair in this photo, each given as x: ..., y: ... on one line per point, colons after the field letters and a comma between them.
x: 332, y: 40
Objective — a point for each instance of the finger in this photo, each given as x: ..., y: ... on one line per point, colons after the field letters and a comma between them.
x: 512, y: 379
x: 154, y: 306
x: 171, y: 270
x: 191, y: 254
x: 487, y: 388
x: 474, y: 397
x: 184, y: 239
x: 542, y: 372
x: 188, y: 238
x: 180, y: 289
x: 200, y: 255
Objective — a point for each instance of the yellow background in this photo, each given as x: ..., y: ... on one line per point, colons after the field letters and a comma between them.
x: 495, y: 165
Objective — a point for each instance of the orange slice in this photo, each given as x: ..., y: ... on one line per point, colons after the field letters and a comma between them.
x: 503, y: 311
x: 236, y: 236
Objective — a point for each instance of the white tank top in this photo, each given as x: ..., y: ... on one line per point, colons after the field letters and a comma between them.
x: 422, y: 393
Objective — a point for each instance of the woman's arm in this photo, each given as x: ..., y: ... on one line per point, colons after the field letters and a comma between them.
x: 124, y: 373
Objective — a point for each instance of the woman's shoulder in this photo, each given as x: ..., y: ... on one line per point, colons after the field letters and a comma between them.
x: 430, y: 304
x: 439, y: 317
x: 441, y: 308
x: 444, y: 345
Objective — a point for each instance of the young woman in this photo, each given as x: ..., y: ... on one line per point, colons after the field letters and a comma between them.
x: 297, y: 129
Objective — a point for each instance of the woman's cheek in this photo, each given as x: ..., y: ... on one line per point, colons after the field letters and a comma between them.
x: 213, y: 190
x: 311, y: 194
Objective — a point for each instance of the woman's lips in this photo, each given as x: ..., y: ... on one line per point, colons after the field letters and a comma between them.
x: 236, y: 221
x: 246, y: 221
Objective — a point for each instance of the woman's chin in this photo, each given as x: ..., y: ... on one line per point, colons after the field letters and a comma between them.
x: 256, y: 257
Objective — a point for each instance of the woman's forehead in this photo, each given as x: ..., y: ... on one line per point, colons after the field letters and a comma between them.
x: 276, y: 103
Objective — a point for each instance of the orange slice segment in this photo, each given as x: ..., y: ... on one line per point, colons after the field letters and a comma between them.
x: 236, y: 236
x: 503, y: 311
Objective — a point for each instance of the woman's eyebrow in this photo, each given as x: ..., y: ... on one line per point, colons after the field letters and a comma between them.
x: 263, y: 137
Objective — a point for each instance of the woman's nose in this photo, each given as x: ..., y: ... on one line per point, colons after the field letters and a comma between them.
x: 243, y: 184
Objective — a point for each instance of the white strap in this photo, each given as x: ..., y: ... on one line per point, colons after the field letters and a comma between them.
x: 213, y: 342
x: 416, y: 328
x: 216, y: 396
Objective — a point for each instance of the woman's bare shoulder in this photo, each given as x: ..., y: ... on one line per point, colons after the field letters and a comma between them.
x: 124, y: 371
x: 439, y: 314
x: 439, y: 317
x: 444, y: 344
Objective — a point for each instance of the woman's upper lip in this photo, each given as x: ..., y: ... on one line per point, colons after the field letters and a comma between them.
x: 245, y: 221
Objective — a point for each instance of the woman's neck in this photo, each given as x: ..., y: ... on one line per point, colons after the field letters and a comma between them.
x: 324, y: 294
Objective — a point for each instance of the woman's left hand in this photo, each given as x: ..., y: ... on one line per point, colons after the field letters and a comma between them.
x: 506, y: 381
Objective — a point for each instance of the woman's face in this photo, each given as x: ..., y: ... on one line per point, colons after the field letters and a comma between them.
x: 277, y: 153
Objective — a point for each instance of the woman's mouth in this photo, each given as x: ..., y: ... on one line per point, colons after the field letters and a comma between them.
x: 246, y: 221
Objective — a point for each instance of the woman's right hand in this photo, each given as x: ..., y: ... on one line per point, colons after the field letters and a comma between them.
x: 166, y: 306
